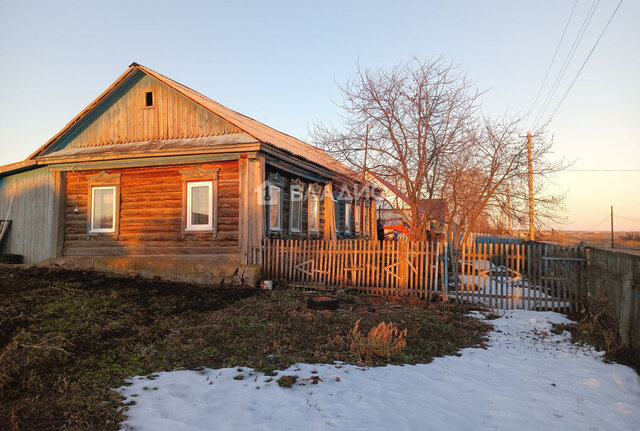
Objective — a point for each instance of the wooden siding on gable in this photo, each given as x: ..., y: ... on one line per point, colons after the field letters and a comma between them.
x: 151, y: 214
x: 172, y: 116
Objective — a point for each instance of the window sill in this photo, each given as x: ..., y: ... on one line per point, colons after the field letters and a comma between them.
x: 198, y: 229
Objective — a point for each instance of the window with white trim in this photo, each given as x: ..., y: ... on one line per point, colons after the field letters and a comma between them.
x: 358, y: 215
x: 314, y: 212
x: 103, y: 209
x: 295, y: 210
x: 199, y: 206
x: 275, y: 208
x: 347, y: 218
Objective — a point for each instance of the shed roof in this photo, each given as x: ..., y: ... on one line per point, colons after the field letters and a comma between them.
x: 436, y: 208
x: 261, y: 132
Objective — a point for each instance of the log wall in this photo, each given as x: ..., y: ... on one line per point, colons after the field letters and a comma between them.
x: 151, y: 214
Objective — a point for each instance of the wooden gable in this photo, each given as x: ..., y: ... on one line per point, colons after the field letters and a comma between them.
x: 122, y: 117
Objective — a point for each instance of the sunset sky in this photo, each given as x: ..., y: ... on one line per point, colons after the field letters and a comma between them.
x: 280, y: 62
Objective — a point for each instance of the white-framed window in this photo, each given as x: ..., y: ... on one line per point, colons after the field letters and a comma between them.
x: 314, y: 212
x: 295, y: 210
x: 347, y: 218
x: 199, y: 205
x: 358, y: 217
x: 103, y: 209
x: 275, y: 208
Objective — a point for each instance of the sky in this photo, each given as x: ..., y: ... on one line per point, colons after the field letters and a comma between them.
x: 281, y: 63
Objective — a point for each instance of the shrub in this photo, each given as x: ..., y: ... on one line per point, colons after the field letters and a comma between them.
x: 383, y: 341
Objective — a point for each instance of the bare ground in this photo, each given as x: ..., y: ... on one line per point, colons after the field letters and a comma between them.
x: 67, y: 337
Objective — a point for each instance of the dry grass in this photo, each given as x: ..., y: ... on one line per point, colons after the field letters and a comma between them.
x: 67, y: 337
x: 595, y: 328
x: 622, y: 240
x: 382, y: 341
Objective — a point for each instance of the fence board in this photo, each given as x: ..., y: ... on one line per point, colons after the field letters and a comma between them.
x: 390, y: 267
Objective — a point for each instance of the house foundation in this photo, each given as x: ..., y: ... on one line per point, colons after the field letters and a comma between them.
x: 199, y: 269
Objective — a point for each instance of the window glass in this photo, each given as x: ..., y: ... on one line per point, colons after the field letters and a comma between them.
x: 103, y: 209
x: 274, y: 207
x: 357, y: 217
x: 296, y: 210
x: 199, y: 205
x: 314, y: 212
x: 366, y: 210
x: 336, y: 204
x: 347, y: 218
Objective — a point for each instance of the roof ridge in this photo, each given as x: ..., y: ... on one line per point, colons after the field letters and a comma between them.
x: 258, y: 130
x: 186, y: 87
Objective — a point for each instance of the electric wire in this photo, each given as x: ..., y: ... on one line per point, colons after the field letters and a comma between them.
x: 602, y: 170
x: 585, y: 62
x: 603, y: 220
x: 555, y: 54
x: 565, y: 64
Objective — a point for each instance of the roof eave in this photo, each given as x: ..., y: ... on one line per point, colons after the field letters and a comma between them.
x: 15, y: 168
x: 83, y: 113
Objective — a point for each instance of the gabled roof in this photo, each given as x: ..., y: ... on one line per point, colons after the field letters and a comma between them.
x: 261, y: 132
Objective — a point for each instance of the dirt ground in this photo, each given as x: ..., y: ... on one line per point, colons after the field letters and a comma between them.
x: 67, y: 337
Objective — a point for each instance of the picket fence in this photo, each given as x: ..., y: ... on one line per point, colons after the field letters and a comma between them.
x: 503, y: 275
x: 533, y: 276
x: 380, y: 267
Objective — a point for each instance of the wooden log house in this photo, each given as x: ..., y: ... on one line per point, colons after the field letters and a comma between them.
x: 152, y: 168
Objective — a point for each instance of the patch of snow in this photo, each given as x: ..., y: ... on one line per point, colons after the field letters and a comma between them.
x: 527, y: 379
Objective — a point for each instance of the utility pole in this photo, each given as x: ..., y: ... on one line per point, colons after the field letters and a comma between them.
x: 532, y: 235
x: 509, y: 209
x: 611, y: 226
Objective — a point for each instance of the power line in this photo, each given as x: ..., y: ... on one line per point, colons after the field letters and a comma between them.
x: 603, y: 170
x: 565, y: 65
x: 544, y: 81
x: 585, y: 61
x: 627, y: 218
x: 603, y: 220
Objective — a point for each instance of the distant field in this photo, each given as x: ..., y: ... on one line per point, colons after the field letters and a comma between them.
x: 622, y: 241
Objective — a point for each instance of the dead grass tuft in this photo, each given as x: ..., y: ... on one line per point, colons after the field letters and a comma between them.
x: 382, y: 341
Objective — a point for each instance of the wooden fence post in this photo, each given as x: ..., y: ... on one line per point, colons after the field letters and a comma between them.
x: 625, y: 312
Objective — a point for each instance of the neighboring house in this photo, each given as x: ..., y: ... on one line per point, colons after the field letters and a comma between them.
x: 394, y: 208
x: 152, y: 168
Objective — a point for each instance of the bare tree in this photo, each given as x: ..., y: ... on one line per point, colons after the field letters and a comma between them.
x: 403, y: 124
x: 475, y: 180
x: 418, y: 126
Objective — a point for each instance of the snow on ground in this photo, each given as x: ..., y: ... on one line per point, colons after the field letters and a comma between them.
x: 527, y: 379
